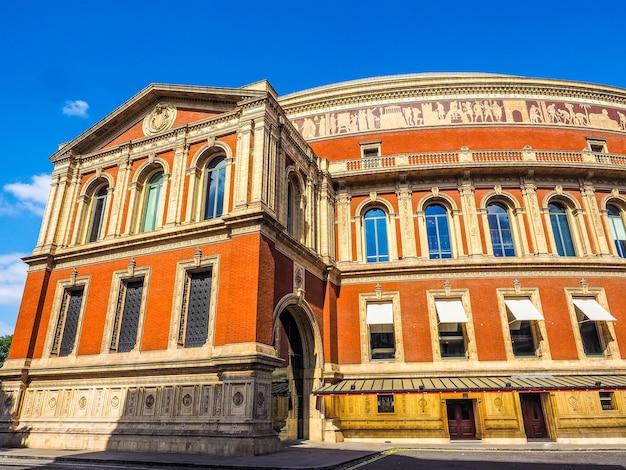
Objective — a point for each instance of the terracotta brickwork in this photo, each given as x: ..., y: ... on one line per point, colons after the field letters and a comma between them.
x: 220, y: 268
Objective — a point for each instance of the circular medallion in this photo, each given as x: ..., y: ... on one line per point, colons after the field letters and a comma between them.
x: 238, y: 399
x: 187, y: 400
x: 299, y: 278
x: 82, y: 403
x: 422, y: 403
x: 52, y: 403
x: 498, y: 403
x: 260, y: 399
x: 149, y: 401
x: 159, y: 120
x: 115, y: 401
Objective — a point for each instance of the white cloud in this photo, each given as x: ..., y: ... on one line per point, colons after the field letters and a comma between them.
x: 12, y: 278
x: 31, y: 196
x: 76, y: 108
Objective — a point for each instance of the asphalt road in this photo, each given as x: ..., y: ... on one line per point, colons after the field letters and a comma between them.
x: 476, y: 460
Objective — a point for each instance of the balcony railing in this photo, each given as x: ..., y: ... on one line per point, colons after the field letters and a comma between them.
x: 405, y: 161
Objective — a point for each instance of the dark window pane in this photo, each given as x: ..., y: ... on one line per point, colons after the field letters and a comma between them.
x: 198, y: 310
x: 591, y: 338
x: 606, y: 400
x: 522, y: 339
x: 385, y: 404
x: 382, y: 341
x: 71, y: 322
x: 452, y: 340
x: 130, y: 316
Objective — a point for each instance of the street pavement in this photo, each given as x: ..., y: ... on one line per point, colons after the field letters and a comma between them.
x: 308, y: 455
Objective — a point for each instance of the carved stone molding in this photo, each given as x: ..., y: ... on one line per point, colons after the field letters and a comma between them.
x: 160, y: 119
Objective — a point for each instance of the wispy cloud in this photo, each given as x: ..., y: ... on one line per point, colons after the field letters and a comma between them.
x: 76, y: 108
x: 30, y: 196
x: 12, y: 278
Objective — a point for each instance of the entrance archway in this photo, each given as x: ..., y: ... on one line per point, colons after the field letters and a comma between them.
x: 298, y: 343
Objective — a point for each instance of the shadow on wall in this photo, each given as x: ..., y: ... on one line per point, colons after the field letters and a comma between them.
x: 11, y: 435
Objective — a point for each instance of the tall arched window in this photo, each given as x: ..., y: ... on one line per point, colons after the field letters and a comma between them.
x: 561, y: 230
x: 376, y: 243
x: 617, y: 229
x: 99, y: 200
x: 438, y: 232
x: 294, y: 208
x: 153, y: 203
x: 500, y: 230
x: 214, y: 190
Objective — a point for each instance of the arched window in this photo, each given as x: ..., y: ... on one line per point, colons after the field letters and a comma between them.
x: 294, y: 208
x: 214, y: 190
x: 376, y: 243
x: 617, y: 229
x: 153, y: 204
x: 99, y: 200
x: 438, y: 232
x: 500, y: 230
x: 561, y: 230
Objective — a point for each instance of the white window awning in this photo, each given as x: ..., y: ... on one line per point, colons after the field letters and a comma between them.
x: 379, y: 313
x: 593, y: 310
x: 450, y: 311
x: 523, y: 309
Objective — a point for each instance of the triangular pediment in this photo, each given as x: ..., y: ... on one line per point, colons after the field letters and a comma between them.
x: 158, y: 109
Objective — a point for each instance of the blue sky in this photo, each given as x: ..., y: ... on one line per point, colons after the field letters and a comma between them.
x: 67, y: 64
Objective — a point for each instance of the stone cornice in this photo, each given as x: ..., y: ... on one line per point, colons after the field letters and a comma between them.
x: 217, y: 126
x: 130, y: 110
x: 483, y: 267
x: 401, y: 87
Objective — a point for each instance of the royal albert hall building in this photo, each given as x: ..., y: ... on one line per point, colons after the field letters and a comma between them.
x: 412, y: 259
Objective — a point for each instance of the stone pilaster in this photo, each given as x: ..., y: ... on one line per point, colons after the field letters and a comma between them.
x: 344, y: 226
x: 244, y: 139
x: 468, y: 204
x: 407, y: 226
x: 596, y: 231
x: 531, y: 202
x: 120, y: 193
x: 177, y: 186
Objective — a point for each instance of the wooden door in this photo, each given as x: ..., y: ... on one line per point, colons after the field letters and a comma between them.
x: 461, y: 423
x: 532, y: 412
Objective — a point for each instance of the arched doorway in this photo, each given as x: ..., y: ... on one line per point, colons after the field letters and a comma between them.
x: 297, y: 342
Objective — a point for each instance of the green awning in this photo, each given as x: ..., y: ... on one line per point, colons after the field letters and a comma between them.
x: 526, y: 383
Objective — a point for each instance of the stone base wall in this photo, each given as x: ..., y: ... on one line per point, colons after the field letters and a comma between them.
x: 575, y: 417
x: 226, y: 413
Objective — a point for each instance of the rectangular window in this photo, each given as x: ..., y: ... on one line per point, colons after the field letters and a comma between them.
x: 194, y: 320
x: 522, y: 315
x: 67, y: 323
x: 591, y: 316
x: 381, y: 331
x: 385, y: 403
x: 607, y: 400
x: 452, y: 318
x: 597, y: 145
x: 370, y: 152
x: 126, y: 324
